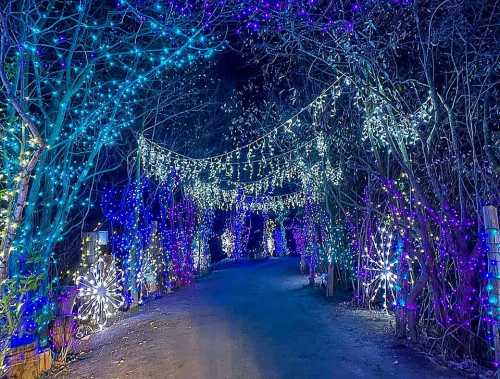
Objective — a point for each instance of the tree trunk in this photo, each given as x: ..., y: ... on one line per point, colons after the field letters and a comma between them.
x: 17, y: 214
x: 401, y: 323
x: 490, y: 217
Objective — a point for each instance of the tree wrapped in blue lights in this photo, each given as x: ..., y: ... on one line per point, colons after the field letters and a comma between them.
x: 73, y: 77
x: 280, y: 235
x: 129, y: 213
x: 336, y: 250
x: 238, y: 226
x: 201, y: 246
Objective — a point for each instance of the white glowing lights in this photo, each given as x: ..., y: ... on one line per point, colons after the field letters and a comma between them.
x: 385, y: 125
x: 258, y: 168
x: 100, y: 292
x: 269, y: 243
x: 201, y: 255
x: 147, y: 274
x: 381, y: 263
x: 227, y: 240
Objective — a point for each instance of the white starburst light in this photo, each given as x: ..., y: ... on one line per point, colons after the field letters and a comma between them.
x: 100, y: 292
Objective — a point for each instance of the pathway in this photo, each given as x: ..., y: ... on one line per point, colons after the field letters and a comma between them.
x: 249, y: 320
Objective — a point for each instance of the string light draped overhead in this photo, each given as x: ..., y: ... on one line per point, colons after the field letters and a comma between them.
x: 295, y: 153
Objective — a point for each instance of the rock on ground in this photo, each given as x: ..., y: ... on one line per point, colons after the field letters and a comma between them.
x: 253, y: 320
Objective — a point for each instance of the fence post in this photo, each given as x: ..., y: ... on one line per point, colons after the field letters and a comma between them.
x: 490, y: 217
x: 330, y: 283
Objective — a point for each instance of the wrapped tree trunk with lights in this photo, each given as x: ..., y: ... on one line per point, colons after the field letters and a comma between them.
x: 72, y: 78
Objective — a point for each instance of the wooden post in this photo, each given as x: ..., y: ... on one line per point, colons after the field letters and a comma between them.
x: 490, y: 217
x: 330, y: 282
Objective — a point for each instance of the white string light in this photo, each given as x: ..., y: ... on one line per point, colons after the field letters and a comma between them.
x: 256, y: 169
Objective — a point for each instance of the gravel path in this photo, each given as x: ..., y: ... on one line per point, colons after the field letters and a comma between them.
x: 249, y: 320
